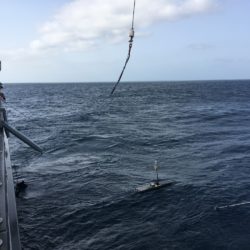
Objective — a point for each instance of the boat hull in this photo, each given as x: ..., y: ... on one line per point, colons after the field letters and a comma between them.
x: 150, y: 187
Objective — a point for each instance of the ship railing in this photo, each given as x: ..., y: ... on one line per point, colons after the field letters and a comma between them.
x: 9, y: 231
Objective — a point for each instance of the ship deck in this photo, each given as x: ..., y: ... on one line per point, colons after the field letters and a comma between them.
x: 9, y: 231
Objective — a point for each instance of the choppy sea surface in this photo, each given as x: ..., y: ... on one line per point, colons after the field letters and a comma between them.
x: 98, y: 149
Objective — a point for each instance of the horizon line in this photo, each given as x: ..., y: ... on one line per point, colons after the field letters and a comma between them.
x: 140, y: 81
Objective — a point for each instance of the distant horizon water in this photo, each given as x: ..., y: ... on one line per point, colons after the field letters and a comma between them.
x: 141, y: 81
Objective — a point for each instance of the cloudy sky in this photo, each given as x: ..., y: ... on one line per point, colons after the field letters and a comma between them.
x: 87, y: 41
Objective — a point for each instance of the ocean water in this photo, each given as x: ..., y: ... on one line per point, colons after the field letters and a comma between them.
x: 98, y: 149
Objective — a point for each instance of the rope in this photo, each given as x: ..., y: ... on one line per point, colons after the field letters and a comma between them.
x: 233, y: 205
x: 131, y: 35
x: 133, y: 18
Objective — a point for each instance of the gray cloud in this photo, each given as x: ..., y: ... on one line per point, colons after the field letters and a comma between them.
x: 201, y: 46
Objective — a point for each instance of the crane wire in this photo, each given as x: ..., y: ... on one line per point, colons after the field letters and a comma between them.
x: 131, y: 35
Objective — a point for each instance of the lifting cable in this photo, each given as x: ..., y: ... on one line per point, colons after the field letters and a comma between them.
x: 131, y: 35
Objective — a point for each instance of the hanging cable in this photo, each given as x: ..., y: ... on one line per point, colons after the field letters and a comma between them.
x: 131, y: 35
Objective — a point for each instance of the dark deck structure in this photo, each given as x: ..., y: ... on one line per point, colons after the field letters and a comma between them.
x: 9, y: 231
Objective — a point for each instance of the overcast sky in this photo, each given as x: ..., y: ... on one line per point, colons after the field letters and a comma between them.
x: 87, y: 40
